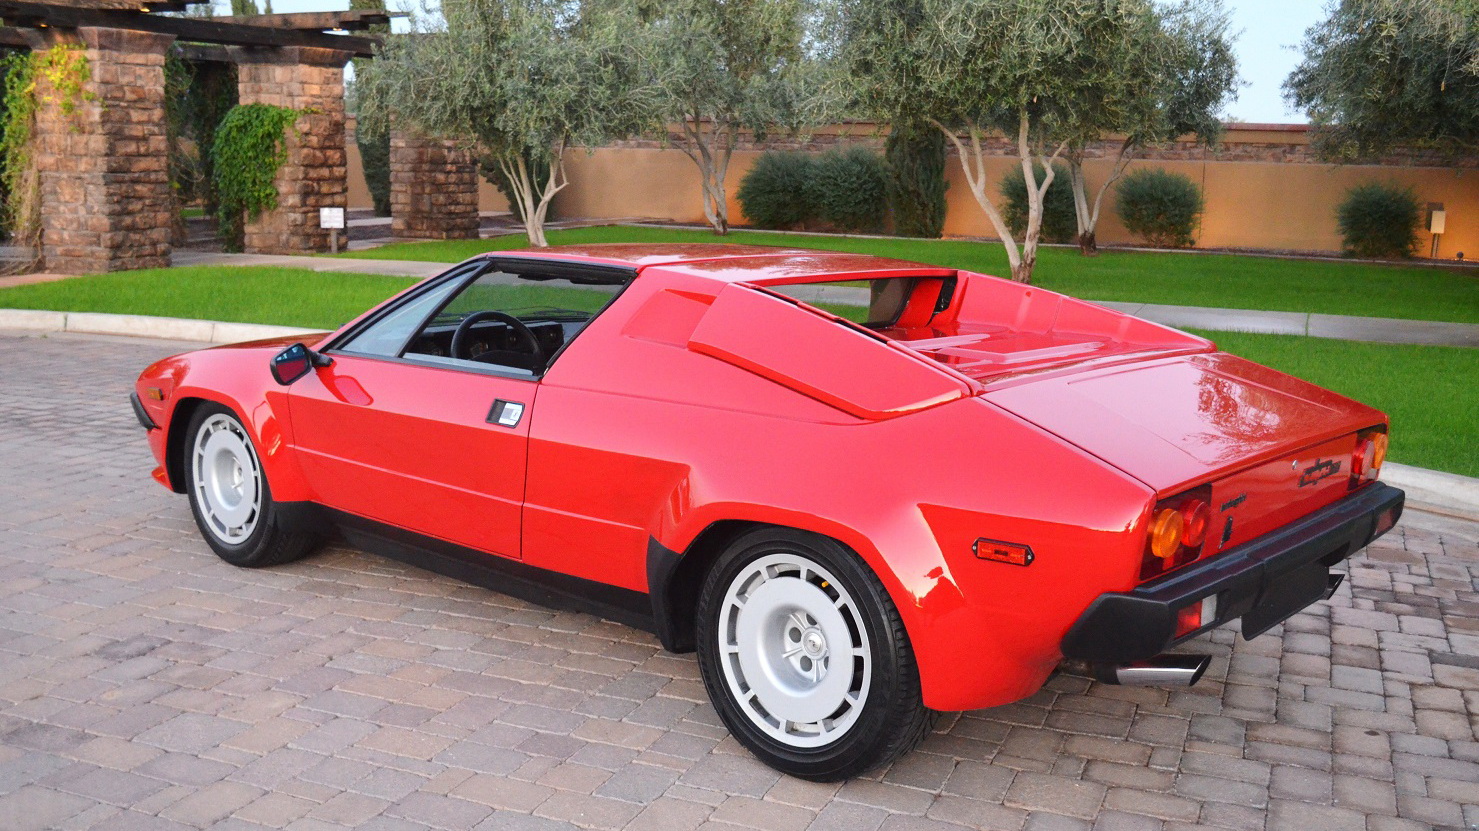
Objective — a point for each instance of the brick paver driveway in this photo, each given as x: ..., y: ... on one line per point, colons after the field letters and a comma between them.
x: 146, y: 684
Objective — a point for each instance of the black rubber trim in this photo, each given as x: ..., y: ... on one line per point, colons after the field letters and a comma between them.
x: 547, y: 588
x: 140, y: 413
x: 1262, y: 581
x: 662, y: 562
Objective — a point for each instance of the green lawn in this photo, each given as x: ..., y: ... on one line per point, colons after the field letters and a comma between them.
x: 260, y: 294
x: 1430, y: 392
x: 1218, y: 280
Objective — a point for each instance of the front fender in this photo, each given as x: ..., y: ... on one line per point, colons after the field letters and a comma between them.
x: 238, y: 379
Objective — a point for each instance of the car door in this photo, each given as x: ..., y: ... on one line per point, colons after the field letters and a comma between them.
x: 416, y: 440
x: 440, y: 452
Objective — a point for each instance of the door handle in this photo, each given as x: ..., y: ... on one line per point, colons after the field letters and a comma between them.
x: 506, y: 413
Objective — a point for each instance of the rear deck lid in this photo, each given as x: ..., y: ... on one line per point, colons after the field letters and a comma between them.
x: 1175, y: 422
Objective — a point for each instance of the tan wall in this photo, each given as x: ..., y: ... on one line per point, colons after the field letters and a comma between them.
x: 1261, y: 190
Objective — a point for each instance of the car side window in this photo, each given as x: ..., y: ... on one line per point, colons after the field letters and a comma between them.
x: 512, y: 323
x: 387, y: 336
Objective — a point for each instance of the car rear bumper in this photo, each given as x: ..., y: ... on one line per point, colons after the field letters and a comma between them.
x: 1264, y: 582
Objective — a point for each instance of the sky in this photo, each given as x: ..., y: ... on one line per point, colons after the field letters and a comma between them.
x: 1267, y: 47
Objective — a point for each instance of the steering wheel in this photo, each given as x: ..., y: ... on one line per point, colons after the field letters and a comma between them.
x: 464, y: 329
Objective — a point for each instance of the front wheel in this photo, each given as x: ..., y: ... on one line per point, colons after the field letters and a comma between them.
x: 805, y: 657
x: 229, y: 495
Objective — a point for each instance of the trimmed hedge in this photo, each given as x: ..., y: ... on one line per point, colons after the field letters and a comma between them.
x: 848, y: 190
x: 1162, y: 207
x: 915, y: 160
x: 840, y: 189
x: 1379, y: 221
x: 776, y: 192
x: 1059, y: 220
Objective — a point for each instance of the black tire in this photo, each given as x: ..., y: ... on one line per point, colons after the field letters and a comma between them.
x: 750, y: 579
x: 261, y: 539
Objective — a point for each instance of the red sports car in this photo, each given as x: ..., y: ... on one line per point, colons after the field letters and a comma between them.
x: 864, y: 490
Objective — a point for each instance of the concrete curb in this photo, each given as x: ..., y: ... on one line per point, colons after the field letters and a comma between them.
x: 143, y: 326
x: 1433, y: 491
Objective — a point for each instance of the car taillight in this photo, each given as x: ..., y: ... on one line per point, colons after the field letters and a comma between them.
x: 1370, y: 452
x: 1178, y: 529
x: 1195, y: 514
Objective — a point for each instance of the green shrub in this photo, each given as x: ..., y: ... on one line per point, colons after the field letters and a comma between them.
x: 1162, y: 207
x: 915, y: 158
x: 776, y: 192
x: 1379, y: 221
x: 374, y: 154
x: 847, y: 190
x: 1059, y: 220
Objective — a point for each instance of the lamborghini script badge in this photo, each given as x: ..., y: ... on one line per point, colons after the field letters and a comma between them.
x: 1321, y: 469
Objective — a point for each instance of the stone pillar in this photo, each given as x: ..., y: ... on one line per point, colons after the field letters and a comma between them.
x: 433, y: 188
x: 315, y: 173
x: 103, y: 167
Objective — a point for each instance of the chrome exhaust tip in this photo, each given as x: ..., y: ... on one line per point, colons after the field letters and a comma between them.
x: 1160, y: 671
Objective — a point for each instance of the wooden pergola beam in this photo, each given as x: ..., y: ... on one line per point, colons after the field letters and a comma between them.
x: 199, y: 30
x: 354, y: 20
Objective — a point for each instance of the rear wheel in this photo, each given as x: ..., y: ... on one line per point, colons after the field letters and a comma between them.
x: 229, y: 495
x: 805, y: 657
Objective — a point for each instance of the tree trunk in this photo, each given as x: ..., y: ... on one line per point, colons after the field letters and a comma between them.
x: 714, y: 204
x: 1022, y: 271
x: 1088, y: 245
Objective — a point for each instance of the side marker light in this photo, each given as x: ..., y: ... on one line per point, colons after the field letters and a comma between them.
x: 1002, y: 552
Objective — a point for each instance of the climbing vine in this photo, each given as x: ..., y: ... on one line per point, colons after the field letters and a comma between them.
x: 55, y: 76
x: 250, y: 147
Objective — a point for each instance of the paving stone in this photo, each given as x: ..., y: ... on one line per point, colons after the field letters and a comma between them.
x: 1040, y: 792
x: 147, y: 684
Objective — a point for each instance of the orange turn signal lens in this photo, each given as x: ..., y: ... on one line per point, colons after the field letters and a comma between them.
x: 1165, y: 533
x: 1195, y: 516
x: 1379, y: 452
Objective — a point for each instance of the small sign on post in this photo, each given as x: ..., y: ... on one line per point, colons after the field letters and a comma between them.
x: 332, y: 219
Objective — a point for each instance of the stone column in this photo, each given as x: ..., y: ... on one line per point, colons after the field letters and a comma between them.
x: 433, y: 188
x: 103, y: 166
x: 315, y: 173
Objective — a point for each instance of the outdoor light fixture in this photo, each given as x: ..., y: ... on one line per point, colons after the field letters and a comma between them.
x: 1437, y: 220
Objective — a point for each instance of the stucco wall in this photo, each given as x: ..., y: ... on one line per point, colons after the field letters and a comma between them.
x: 1263, y: 189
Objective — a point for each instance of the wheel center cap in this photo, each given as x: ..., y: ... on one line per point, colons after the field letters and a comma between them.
x: 814, y: 643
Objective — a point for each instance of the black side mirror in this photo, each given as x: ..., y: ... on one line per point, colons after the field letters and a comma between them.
x: 294, y: 362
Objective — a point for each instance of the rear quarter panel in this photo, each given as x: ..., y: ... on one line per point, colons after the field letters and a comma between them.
x: 637, y: 437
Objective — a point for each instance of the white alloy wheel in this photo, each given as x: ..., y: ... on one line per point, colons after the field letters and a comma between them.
x: 227, y: 479
x: 794, y: 651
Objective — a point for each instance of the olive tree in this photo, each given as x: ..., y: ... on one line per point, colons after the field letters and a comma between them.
x: 1382, y: 73
x: 523, y: 79
x: 718, y: 68
x: 1171, y: 77
x: 1036, y: 71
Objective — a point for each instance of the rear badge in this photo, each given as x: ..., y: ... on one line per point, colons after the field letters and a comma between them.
x: 1322, y: 469
x: 1235, y: 502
